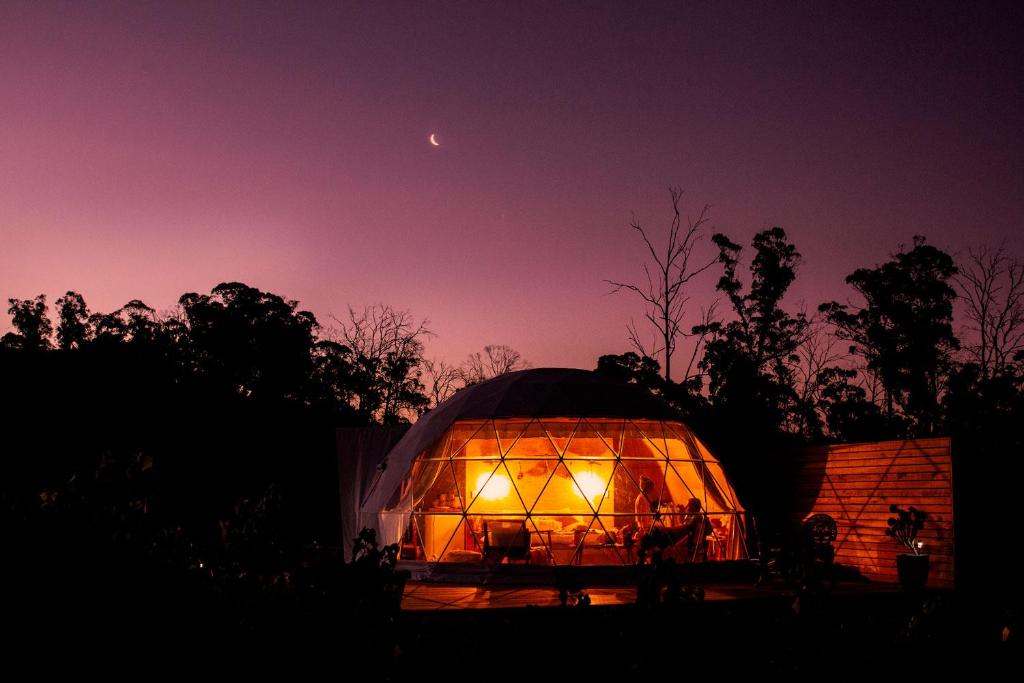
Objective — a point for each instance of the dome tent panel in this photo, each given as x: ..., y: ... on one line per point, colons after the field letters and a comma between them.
x: 531, y: 440
x: 562, y: 431
x: 587, y: 444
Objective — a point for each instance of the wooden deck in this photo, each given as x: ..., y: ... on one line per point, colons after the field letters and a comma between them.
x: 438, y: 596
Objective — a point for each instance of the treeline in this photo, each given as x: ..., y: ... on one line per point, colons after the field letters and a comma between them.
x: 890, y: 365
x: 229, y: 393
x: 174, y: 470
x: 235, y: 394
x: 893, y: 362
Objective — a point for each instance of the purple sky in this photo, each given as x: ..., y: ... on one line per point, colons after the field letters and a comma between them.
x: 148, y: 149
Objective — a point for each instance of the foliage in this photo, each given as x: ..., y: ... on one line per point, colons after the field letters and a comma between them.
x: 250, y: 342
x: 634, y: 369
x: 644, y: 371
x: 375, y: 585
x: 849, y: 415
x: 73, y: 328
x: 904, y: 330
x: 32, y: 323
x: 749, y: 360
x: 386, y: 348
x: 905, y: 526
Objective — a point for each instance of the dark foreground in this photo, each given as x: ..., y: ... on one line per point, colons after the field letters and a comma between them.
x: 120, y: 618
x: 840, y: 635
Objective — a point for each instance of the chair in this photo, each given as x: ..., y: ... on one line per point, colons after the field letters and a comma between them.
x: 717, y: 542
x: 506, y: 539
x: 816, y: 552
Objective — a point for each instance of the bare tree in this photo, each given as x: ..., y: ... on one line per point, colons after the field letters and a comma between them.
x: 379, y: 330
x: 664, y: 294
x: 441, y: 380
x: 497, y: 359
x: 991, y: 285
x: 707, y: 316
x: 819, y: 351
x: 388, y: 347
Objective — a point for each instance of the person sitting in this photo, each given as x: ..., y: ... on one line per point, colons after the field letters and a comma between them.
x: 680, y: 541
x: 645, y: 509
x: 688, y: 537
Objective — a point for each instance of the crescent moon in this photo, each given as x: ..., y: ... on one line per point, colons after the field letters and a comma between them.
x: 433, y: 140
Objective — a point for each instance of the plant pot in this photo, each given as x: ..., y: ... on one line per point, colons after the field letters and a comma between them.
x: 912, y: 570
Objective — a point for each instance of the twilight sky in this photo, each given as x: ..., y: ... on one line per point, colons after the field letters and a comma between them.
x: 153, y: 148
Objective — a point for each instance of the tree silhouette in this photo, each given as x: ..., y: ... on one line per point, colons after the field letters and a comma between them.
x: 665, y: 293
x: 634, y: 369
x: 849, y: 413
x: 30, y: 319
x: 749, y: 361
x: 497, y: 359
x: 73, y: 325
x: 387, y: 345
x: 991, y: 286
x: 904, y: 330
x: 334, y: 382
x: 441, y: 380
x: 251, y: 343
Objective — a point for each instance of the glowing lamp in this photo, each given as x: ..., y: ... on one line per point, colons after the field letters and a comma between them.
x: 493, y: 487
x: 589, y: 485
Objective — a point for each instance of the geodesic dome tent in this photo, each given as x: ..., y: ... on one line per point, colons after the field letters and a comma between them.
x: 545, y: 466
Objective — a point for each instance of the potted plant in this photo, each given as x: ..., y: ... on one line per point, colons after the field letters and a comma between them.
x: 374, y: 581
x: 911, y: 567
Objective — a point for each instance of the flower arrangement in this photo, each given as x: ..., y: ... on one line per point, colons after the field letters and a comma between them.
x: 905, y: 526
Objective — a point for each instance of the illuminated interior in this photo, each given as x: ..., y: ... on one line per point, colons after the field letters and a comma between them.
x: 564, y: 491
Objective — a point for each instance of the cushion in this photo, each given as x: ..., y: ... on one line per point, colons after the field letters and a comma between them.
x: 462, y: 556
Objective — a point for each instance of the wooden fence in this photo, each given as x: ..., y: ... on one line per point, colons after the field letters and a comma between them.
x: 856, y: 484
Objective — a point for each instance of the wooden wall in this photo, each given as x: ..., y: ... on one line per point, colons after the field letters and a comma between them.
x: 856, y: 484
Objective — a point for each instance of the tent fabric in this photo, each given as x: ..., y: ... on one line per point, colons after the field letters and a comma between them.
x: 536, y: 393
x: 360, y: 452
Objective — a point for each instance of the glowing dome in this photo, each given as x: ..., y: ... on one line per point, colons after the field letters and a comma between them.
x: 554, y: 466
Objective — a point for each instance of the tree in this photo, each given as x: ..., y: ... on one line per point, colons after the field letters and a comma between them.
x: 750, y: 360
x: 497, y: 359
x: 333, y: 381
x: 665, y: 293
x: 633, y: 369
x: 135, y: 323
x: 813, y: 372
x: 849, y: 413
x: 30, y: 319
x: 248, y: 342
x: 904, y: 330
x: 388, y: 349
x: 991, y: 286
x: 441, y: 380
x: 73, y: 314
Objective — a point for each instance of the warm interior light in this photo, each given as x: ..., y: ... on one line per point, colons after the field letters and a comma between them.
x: 588, y: 485
x: 493, y: 488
